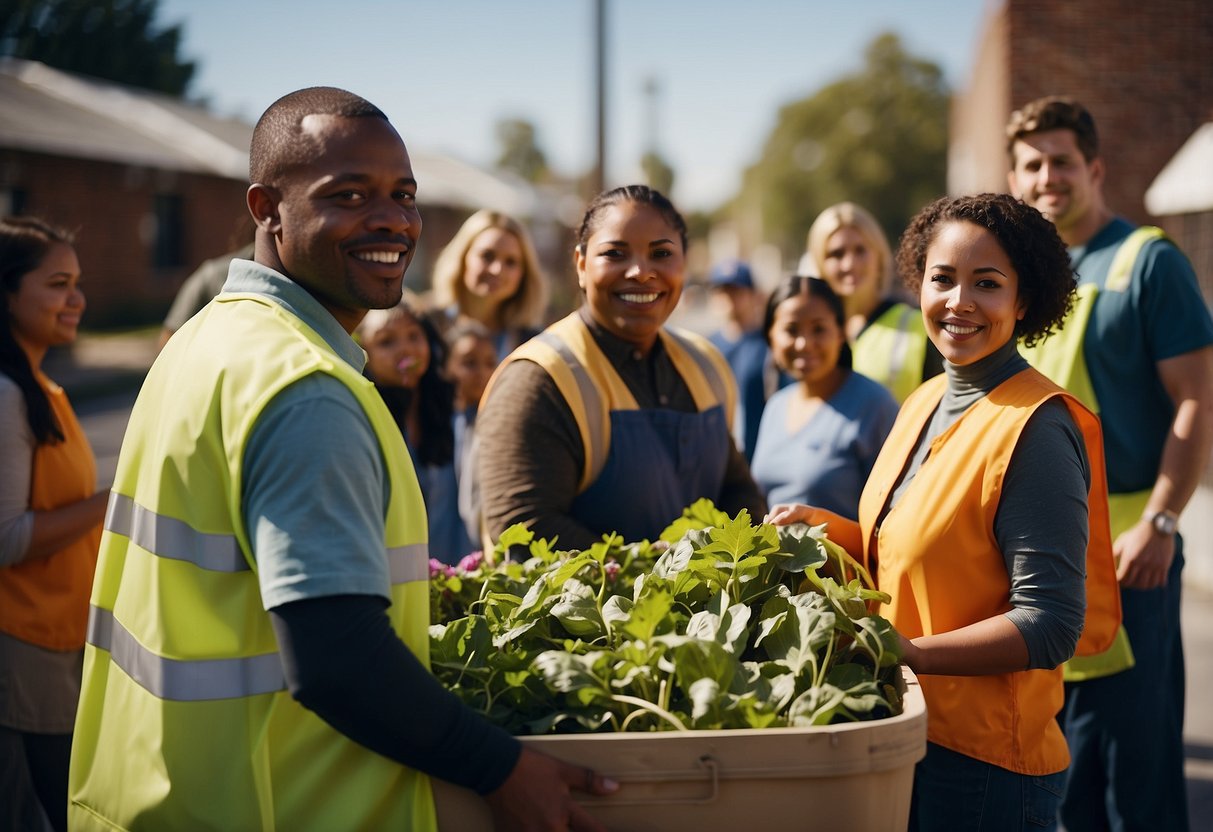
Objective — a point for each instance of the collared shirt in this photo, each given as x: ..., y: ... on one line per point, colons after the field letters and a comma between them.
x: 315, y: 492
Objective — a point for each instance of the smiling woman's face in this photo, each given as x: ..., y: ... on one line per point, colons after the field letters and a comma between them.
x: 46, y: 308
x: 970, y: 293
x: 632, y: 271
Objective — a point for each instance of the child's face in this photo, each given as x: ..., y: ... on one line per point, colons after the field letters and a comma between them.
x: 472, y: 361
x: 398, y: 353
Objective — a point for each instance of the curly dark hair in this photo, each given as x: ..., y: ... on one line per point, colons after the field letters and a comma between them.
x: 1046, y: 279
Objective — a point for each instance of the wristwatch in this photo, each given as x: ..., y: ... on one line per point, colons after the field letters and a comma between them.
x: 1164, y: 522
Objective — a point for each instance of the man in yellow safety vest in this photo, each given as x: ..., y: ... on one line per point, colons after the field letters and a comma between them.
x: 1138, y: 349
x: 257, y: 652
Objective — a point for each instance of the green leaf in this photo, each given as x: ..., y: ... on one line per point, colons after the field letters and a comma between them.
x: 577, y: 610
x: 803, y: 542
x: 734, y: 538
x: 804, y: 631
x: 704, y: 694
x: 649, y: 613
x: 700, y: 514
x: 515, y: 535
x: 816, y: 706
x: 696, y: 659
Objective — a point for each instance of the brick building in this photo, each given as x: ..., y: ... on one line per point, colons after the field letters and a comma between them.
x: 153, y: 185
x: 1145, y: 71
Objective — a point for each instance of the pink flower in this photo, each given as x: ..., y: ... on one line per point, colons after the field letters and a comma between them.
x: 611, y: 568
x: 472, y: 562
x: 437, y: 568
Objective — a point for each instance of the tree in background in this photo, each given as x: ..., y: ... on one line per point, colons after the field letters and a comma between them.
x: 112, y: 39
x: 657, y: 172
x: 878, y: 138
x: 520, y: 151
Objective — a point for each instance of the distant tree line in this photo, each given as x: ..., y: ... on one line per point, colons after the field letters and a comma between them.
x: 117, y: 40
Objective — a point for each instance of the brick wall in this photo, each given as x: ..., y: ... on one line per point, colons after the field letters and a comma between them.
x: 110, y: 206
x: 1145, y: 70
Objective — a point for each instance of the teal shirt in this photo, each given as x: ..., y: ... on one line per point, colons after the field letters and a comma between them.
x: 1160, y: 315
x: 315, y: 490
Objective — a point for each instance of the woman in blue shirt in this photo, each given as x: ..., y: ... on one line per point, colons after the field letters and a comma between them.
x: 819, y: 436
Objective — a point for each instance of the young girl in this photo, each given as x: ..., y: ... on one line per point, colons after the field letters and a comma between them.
x: 50, y: 526
x: 405, y: 356
x: 820, y: 436
x: 470, y: 365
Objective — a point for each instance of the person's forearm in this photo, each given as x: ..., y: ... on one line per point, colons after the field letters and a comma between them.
x: 59, y: 527
x: 343, y: 662
x: 991, y: 646
x: 1184, y: 456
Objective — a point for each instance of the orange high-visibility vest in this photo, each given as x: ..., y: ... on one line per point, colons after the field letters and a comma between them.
x: 937, y: 555
x: 45, y: 601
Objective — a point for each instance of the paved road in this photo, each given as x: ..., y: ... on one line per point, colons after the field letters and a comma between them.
x: 104, y: 420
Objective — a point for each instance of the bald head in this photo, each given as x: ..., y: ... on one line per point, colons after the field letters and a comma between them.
x: 279, y: 139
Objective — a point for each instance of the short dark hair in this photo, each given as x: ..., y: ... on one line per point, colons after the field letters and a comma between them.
x: 1054, y: 112
x: 279, y: 142
x: 641, y: 194
x: 24, y: 243
x: 814, y: 287
x: 1046, y: 280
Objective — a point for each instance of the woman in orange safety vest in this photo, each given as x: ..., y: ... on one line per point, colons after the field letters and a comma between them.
x: 50, y: 525
x: 985, y: 519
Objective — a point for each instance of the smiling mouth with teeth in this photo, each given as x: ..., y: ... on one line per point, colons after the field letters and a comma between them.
x: 956, y: 329
x: 648, y: 297
x: 379, y: 256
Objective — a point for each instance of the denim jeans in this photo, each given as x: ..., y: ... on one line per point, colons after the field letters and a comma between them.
x: 958, y: 793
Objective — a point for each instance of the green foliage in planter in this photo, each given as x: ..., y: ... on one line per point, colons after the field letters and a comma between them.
x: 720, y: 624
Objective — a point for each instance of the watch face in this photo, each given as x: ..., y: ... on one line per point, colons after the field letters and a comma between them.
x: 1164, y: 523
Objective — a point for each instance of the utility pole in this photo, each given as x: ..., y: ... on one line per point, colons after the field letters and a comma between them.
x: 599, y: 180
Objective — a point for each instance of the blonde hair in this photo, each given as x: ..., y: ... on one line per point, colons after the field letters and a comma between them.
x: 527, y: 306
x: 849, y: 215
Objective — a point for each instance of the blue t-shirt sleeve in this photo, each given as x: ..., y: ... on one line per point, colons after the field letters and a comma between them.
x: 315, y: 495
x: 1176, y: 318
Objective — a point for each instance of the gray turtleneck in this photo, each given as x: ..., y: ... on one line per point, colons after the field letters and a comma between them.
x: 1041, y: 521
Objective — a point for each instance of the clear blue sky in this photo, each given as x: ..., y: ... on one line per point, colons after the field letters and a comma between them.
x: 446, y: 71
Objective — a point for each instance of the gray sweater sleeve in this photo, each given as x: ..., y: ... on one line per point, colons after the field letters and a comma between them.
x: 1042, y: 529
x: 17, y: 453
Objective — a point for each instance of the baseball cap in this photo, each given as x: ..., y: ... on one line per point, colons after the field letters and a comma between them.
x: 731, y: 273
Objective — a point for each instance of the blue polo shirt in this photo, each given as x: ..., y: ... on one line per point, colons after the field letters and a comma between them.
x: 315, y: 491
x: 1160, y: 315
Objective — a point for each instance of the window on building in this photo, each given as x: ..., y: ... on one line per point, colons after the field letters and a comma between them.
x: 12, y: 201
x: 168, y: 237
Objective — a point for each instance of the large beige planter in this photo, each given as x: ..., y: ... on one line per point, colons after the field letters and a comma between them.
x: 854, y: 777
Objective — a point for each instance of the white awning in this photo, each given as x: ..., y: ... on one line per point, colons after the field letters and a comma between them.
x: 1185, y: 184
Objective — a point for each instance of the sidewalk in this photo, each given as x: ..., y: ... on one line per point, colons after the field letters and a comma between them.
x: 99, y: 364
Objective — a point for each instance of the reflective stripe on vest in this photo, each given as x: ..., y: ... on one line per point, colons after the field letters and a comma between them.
x: 592, y: 388
x: 168, y: 537
x: 181, y: 661
x: 184, y: 681
x: 1061, y: 357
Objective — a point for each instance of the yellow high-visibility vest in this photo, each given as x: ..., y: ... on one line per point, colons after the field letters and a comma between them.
x: 892, y: 349
x: 185, y: 721
x: 1061, y: 358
